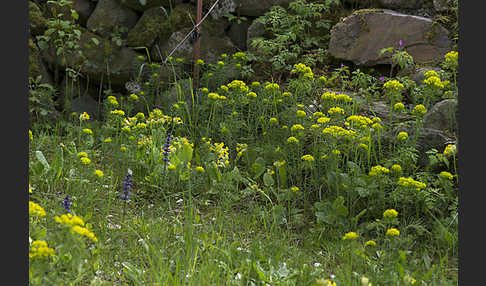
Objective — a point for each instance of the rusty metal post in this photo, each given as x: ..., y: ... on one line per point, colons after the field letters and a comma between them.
x: 197, y: 46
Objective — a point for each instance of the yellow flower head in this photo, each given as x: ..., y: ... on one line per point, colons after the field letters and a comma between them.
x: 297, y: 127
x: 133, y: 97
x: 99, y: 173
x: 335, y: 111
x: 446, y: 175
x: 378, y: 170
x: 292, y: 139
x: 390, y: 213
x: 396, y: 168
x: 402, y: 136
x: 308, y: 158
x: 294, y: 189
x: 419, y: 109
x: 273, y: 120
x: 300, y: 113
x: 36, y: 210
x: 411, y: 183
x: 40, y: 249
x: 85, y: 160
x: 398, y: 106
x: 87, y: 131
x: 450, y: 150
x: 82, y: 154
x: 84, y: 116
x: 370, y: 243
x: 350, y: 236
x: 199, y: 169
x: 392, y: 232
x: 323, y: 120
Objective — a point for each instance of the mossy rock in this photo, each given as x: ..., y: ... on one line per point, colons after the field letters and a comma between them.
x: 37, y: 22
x: 110, y: 15
x: 147, y: 29
x: 142, y: 5
x: 34, y: 69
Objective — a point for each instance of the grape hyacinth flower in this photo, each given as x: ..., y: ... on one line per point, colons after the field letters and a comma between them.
x: 166, y: 148
x: 127, y: 186
x: 66, y: 204
x: 400, y: 42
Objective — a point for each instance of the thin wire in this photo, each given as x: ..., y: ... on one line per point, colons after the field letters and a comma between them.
x: 196, y: 26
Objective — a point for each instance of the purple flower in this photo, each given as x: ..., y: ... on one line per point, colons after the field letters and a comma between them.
x: 382, y: 78
x: 342, y: 65
x: 127, y: 186
x: 66, y: 204
x: 401, y: 43
x: 166, y: 148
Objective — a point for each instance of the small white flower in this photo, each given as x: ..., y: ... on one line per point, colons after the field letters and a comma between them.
x: 238, y: 276
x: 317, y: 264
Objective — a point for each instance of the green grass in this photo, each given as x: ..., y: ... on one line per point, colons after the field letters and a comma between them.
x: 241, y: 221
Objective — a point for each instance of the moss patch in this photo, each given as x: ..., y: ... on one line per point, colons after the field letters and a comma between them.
x: 34, y: 69
x: 38, y: 24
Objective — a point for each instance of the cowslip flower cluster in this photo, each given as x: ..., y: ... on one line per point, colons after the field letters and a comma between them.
x: 449, y: 150
x: 239, y: 56
x: 133, y: 97
x: 300, y: 113
x: 222, y: 159
x: 395, y: 168
x: 36, y: 210
x: 390, y: 213
x: 398, y: 106
x: 451, y: 58
x: 99, y: 173
x: 393, y: 85
x: 292, y: 139
x: 402, y: 136
x: 84, y: 116
x: 272, y: 86
x: 331, y: 96
x: 87, y: 131
x: 323, y: 120
x: 419, y: 109
x: 338, y: 132
x: 83, y: 231
x: 69, y: 220
x: 302, y: 69
x: 446, y: 175
x: 370, y: 243
x: 350, y: 235
x: 378, y: 170
x: 118, y: 112
x: 40, y: 249
x: 434, y: 81
x: 392, y: 232
x: 308, y: 158
x: 335, y: 111
x: 411, y: 183
x: 238, y: 85
x: 359, y: 121
x: 112, y: 100
x: 297, y: 127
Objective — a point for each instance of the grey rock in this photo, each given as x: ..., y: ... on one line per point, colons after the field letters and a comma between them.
x: 360, y: 37
x: 84, y: 8
x: 255, y: 30
x: 418, y: 76
x: 430, y: 139
x: 238, y: 34
x: 147, y: 29
x: 211, y: 47
x: 122, y: 61
x: 441, y: 5
x: 85, y: 104
x: 142, y: 5
x: 109, y: 15
x: 401, y: 4
x: 256, y: 8
x: 442, y: 116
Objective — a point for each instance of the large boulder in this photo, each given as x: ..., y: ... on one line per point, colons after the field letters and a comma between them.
x: 110, y: 15
x: 142, y: 5
x: 148, y: 27
x: 98, y: 59
x: 212, y: 46
x: 238, y: 34
x: 442, y: 116
x: 84, y: 8
x: 256, y: 8
x: 155, y: 25
x: 360, y: 37
x: 401, y: 4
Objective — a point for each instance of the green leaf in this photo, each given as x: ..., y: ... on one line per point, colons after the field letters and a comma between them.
x: 95, y: 40
x: 40, y: 156
x: 268, y: 180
